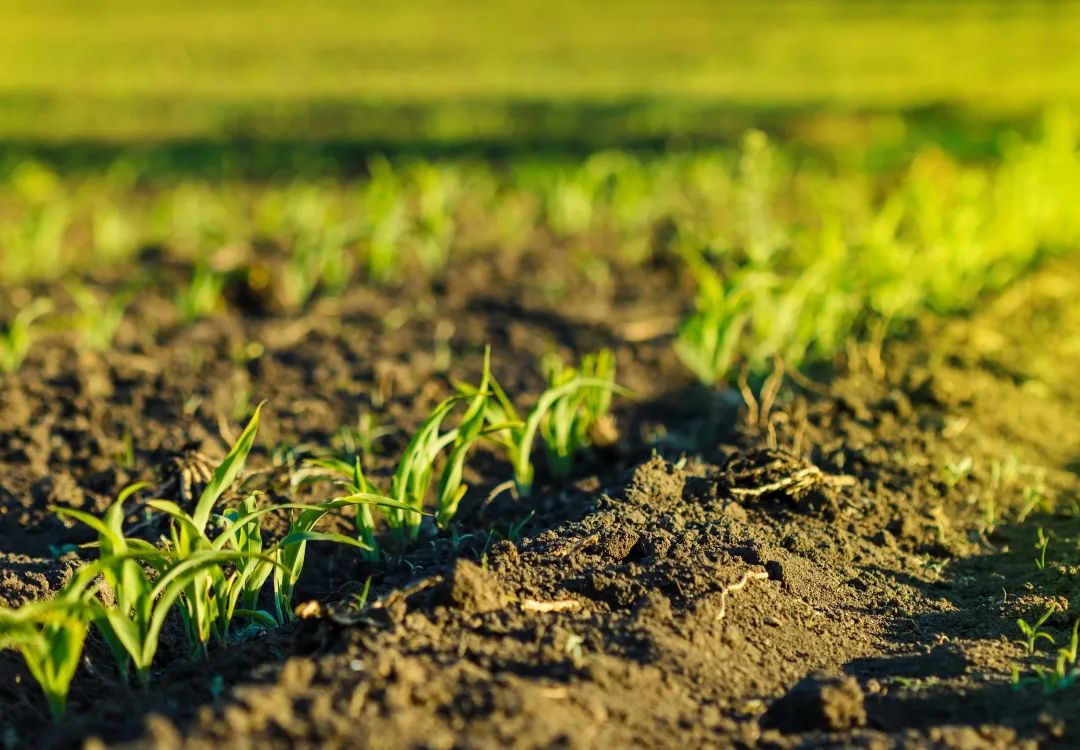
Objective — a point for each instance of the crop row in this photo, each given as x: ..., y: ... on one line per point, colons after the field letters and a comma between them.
x: 216, y: 564
x: 791, y: 259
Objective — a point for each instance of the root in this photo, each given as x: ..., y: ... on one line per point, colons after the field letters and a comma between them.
x: 559, y: 605
x: 738, y: 586
x: 802, y: 480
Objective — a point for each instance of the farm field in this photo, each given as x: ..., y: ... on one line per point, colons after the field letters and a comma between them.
x: 491, y: 393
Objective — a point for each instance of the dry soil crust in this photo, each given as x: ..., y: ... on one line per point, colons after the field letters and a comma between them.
x: 833, y: 575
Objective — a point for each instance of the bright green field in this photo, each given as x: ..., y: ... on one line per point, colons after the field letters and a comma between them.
x: 394, y: 71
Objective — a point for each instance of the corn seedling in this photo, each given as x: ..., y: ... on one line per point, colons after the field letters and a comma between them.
x: 415, y: 472
x: 562, y: 416
x: 203, y: 294
x: 708, y: 339
x: 404, y: 504
x: 21, y: 333
x: 1032, y: 633
x: 50, y: 636
x: 292, y: 549
x: 569, y: 424
x: 208, y: 602
x: 96, y: 321
x: 1041, y: 544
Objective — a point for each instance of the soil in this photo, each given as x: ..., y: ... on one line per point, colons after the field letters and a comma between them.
x: 843, y: 569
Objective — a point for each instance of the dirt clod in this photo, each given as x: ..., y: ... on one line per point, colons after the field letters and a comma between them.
x: 470, y: 589
x: 819, y: 702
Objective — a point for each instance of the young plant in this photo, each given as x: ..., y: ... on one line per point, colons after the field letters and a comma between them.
x: 50, y: 636
x: 1070, y: 652
x: 291, y: 551
x: 21, y: 333
x: 96, y: 321
x: 415, y: 472
x: 1032, y: 633
x: 208, y: 601
x: 410, y: 485
x: 569, y: 425
x: 1041, y: 545
x: 709, y: 338
x: 203, y: 294
x: 563, y: 416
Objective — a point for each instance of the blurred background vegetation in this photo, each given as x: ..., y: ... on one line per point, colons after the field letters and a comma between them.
x: 502, y: 73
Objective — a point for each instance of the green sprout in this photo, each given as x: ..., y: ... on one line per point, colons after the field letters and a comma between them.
x: 203, y: 294
x: 50, y: 636
x: 569, y: 424
x: 1032, y: 633
x: 97, y: 321
x: 563, y: 416
x: 1041, y: 545
x: 403, y: 505
x: 708, y: 339
x: 21, y: 333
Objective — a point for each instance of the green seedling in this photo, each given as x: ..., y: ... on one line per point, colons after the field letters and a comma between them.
x: 404, y: 504
x: 203, y: 294
x: 956, y: 471
x: 568, y: 426
x: 562, y: 416
x: 97, y: 321
x: 292, y: 549
x: 1070, y: 652
x: 1041, y: 544
x: 1032, y: 633
x: 360, y: 600
x: 208, y: 602
x: 21, y: 333
x: 50, y: 636
x: 709, y: 338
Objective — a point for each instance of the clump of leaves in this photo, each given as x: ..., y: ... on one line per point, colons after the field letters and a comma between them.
x: 1033, y: 632
x: 563, y: 416
x: 404, y: 503
x: 50, y: 636
x: 708, y: 339
x: 21, y: 333
x: 96, y: 320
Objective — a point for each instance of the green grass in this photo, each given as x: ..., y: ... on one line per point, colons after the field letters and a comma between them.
x: 486, y: 70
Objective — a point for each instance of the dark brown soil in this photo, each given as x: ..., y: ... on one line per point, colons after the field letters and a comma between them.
x: 845, y: 571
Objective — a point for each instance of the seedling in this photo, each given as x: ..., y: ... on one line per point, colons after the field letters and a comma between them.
x: 1070, y: 652
x: 568, y: 426
x: 708, y: 340
x: 1032, y: 633
x: 203, y: 294
x: 403, y: 505
x: 21, y: 333
x: 1041, y: 544
x: 956, y: 471
x: 563, y: 416
x: 97, y: 321
x: 50, y: 636
x: 1034, y: 496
